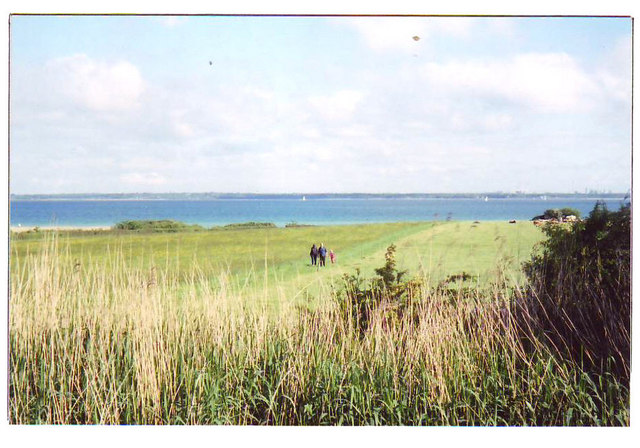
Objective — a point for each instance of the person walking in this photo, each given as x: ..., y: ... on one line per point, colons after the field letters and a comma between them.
x: 332, y: 256
x: 323, y: 254
x: 314, y: 255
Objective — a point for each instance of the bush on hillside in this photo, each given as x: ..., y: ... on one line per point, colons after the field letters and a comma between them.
x: 580, y: 290
x: 295, y: 224
x: 157, y: 226
x: 568, y: 211
x: 360, y: 298
x: 559, y: 213
x: 250, y: 225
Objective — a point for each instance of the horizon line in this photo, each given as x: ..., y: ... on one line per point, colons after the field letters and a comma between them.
x: 517, y: 192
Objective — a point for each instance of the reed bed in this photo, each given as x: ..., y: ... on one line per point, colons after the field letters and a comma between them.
x: 109, y: 343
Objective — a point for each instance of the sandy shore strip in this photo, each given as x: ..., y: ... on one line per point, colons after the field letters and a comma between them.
x: 19, y: 229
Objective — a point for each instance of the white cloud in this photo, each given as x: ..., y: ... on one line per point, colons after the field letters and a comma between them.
x: 501, y: 26
x: 551, y: 82
x: 453, y: 26
x: 134, y: 164
x: 143, y: 179
x: 356, y: 130
x: 182, y: 129
x: 448, y: 125
x: 338, y: 106
x: 615, y: 71
x: 171, y: 21
x: 98, y: 85
x: 262, y: 94
x: 463, y: 120
x: 180, y: 124
x: 497, y: 121
x: 397, y: 33
x: 389, y: 33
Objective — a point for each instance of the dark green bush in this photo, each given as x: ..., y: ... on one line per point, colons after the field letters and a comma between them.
x: 567, y: 211
x: 580, y: 290
x: 559, y: 213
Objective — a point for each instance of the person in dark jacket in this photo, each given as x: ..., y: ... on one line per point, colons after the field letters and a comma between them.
x: 314, y: 255
x: 322, y: 251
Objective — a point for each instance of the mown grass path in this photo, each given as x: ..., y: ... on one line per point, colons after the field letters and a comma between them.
x: 435, y: 251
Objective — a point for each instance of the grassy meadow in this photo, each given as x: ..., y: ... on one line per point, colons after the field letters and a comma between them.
x: 235, y: 327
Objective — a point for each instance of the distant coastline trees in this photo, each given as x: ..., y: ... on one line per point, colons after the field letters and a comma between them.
x: 559, y: 214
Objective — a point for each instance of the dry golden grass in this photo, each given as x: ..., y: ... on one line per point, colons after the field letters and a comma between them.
x: 108, y: 343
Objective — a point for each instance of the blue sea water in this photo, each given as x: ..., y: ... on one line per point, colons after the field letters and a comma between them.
x: 281, y: 211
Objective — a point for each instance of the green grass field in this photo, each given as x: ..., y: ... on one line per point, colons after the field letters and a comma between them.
x: 433, y: 249
x: 236, y: 327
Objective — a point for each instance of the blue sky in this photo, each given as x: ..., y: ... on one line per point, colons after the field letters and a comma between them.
x: 323, y: 104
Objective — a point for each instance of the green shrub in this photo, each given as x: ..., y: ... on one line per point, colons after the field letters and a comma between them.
x: 295, y: 224
x: 567, y: 211
x: 580, y: 290
x: 559, y: 213
x: 359, y: 298
x: 250, y: 225
x: 157, y: 226
x: 552, y: 213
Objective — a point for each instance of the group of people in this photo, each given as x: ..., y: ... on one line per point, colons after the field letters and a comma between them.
x: 319, y: 255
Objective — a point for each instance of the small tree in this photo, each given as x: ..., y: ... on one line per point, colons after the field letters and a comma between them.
x: 559, y: 213
x: 568, y: 211
x: 359, y: 297
x: 389, y: 275
x: 552, y: 213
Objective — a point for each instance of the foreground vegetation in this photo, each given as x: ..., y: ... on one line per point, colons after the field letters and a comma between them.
x: 116, y: 338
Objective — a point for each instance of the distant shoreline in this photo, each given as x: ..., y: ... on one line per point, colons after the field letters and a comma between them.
x: 22, y: 229
x: 306, y: 196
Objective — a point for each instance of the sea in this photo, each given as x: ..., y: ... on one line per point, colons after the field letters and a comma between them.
x: 288, y: 209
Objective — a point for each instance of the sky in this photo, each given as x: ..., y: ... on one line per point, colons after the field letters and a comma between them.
x: 124, y: 104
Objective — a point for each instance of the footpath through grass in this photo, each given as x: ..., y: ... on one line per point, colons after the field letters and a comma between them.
x: 485, y: 251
